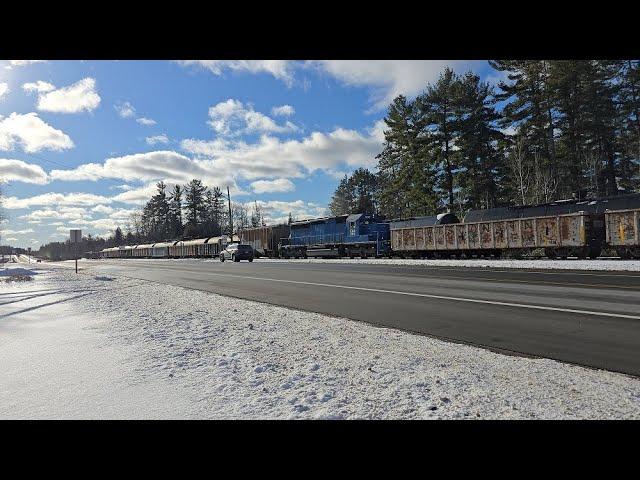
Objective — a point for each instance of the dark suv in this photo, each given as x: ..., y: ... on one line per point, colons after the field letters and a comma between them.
x: 237, y: 252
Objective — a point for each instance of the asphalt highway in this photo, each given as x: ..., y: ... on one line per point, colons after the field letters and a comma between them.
x: 581, y: 317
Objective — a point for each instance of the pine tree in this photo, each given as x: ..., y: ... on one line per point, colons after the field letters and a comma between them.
x: 175, y: 212
x: 439, y: 114
x: 477, y: 142
x: 342, y: 200
x: 195, y: 207
x: 118, y: 238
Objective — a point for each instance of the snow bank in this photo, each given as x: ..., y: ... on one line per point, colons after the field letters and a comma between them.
x: 233, y: 358
x: 11, y: 271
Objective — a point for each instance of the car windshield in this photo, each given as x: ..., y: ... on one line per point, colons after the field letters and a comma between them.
x: 245, y: 248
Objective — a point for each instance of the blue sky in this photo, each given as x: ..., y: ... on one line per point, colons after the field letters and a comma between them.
x: 82, y: 143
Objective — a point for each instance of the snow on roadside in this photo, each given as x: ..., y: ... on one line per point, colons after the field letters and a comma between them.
x: 57, y: 363
x: 242, y: 359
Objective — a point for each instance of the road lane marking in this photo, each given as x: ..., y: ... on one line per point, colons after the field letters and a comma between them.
x: 472, y: 277
x: 437, y: 297
x: 596, y: 273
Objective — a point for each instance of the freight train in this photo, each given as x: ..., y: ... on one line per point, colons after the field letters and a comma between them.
x: 560, y: 229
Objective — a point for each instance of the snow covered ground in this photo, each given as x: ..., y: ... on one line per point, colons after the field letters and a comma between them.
x: 98, y: 346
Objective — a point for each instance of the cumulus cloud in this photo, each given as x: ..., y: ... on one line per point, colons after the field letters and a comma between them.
x: 17, y: 170
x: 18, y: 232
x: 272, y: 157
x: 145, y: 121
x: 280, y: 69
x: 232, y: 117
x: 4, y: 89
x: 283, y: 111
x: 140, y: 166
x: 53, y: 199
x: 162, y: 138
x: 272, y: 186
x: 125, y: 110
x: 60, y: 213
x: 23, y: 63
x: 389, y: 78
x: 78, y: 97
x: 39, y: 87
x: 32, y: 133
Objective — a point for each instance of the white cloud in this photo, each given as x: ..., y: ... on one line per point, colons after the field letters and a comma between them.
x: 32, y: 133
x: 283, y: 111
x: 18, y: 232
x: 137, y: 196
x: 17, y: 170
x: 270, y: 186
x: 79, y: 97
x: 270, y: 157
x: 4, y: 88
x: 22, y: 63
x: 232, y: 117
x: 11, y: 239
x: 145, y: 121
x: 125, y: 110
x: 52, y: 199
x: 140, y: 166
x: 162, y: 138
x: 60, y: 213
x: 39, y: 86
x: 280, y: 69
x: 389, y: 78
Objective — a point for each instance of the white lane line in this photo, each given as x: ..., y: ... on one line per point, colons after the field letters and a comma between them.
x: 438, y: 297
x: 461, y: 268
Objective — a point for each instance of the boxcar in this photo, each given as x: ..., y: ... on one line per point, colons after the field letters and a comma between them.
x: 623, y: 232
x: 265, y: 239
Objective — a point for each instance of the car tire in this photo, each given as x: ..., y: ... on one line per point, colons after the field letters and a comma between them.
x: 234, y: 258
x: 222, y: 258
x: 251, y: 259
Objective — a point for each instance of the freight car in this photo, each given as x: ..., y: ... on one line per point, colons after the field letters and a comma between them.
x: 562, y: 228
x: 265, y: 239
x: 559, y: 235
x: 623, y: 232
x: 362, y: 235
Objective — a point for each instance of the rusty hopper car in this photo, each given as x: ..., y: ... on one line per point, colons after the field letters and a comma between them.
x: 264, y: 240
x: 623, y: 232
x: 559, y: 235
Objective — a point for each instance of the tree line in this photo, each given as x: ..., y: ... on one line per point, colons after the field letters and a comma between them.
x: 190, y: 211
x: 549, y: 130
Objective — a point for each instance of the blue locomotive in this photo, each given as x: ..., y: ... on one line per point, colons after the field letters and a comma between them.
x: 357, y: 235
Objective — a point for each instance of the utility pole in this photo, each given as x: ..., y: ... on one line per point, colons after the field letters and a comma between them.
x: 230, y: 217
